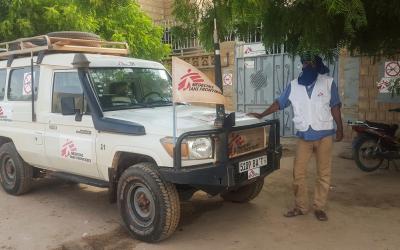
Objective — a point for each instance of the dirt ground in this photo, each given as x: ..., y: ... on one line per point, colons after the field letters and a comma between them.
x: 364, y: 213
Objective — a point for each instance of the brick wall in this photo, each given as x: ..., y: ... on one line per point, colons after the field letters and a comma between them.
x: 368, y: 107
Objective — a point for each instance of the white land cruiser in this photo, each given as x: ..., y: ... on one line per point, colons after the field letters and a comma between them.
x: 91, y: 115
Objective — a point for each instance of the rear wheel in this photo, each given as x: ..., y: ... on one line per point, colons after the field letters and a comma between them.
x: 245, y: 193
x: 149, y: 206
x: 16, y: 176
x: 364, y: 154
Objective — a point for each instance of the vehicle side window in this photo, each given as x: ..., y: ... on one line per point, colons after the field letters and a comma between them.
x: 67, y: 84
x: 3, y: 75
x: 20, y: 88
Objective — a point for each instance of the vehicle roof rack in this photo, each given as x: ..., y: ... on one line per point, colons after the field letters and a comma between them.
x: 34, y: 45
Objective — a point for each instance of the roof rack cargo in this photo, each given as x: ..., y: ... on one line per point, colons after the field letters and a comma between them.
x: 34, y: 45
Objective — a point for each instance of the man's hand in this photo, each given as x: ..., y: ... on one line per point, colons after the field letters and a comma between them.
x: 271, y: 109
x: 256, y: 115
x: 339, y: 135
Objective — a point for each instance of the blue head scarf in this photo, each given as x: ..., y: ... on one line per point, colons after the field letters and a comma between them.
x: 309, y: 73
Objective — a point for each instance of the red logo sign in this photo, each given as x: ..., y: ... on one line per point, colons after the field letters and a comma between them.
x: 188, y: 79
x: 67, y: 148
x: 1, y: 111
x: 27, y: 84
x: 383, y: 85
x: 248, y: 50
x: 235, y: 142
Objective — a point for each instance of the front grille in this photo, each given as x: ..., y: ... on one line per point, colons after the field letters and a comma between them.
x: 247, y: 141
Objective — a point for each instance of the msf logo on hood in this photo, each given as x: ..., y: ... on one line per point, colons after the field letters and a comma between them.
x: 67, y: 148
x: 189, y: 79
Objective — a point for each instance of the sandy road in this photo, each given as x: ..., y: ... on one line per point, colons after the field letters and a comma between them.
x: 364, y: 213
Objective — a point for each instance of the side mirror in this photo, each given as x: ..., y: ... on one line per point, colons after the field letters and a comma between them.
x: 68, y: 108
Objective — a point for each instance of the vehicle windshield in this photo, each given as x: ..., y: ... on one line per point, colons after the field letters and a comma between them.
x: 130, y: 88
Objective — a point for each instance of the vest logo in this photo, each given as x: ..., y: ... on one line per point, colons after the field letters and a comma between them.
x: 320, y: 94
x: 68, y: 148
x: 188, y: 79
x: 1, y: 111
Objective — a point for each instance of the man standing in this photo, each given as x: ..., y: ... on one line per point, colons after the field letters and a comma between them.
x: 315, y: 101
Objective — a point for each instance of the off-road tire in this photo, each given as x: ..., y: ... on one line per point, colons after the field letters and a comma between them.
x: 23, y: 173
x: 165, y: 200
x: 358, y: 143
x: 75, y: 35
x: 245, y: 193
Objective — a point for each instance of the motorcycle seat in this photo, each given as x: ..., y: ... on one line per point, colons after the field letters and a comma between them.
x: 390, y: 129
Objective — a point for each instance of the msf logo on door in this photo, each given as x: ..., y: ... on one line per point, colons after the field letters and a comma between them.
x: 67, y: 149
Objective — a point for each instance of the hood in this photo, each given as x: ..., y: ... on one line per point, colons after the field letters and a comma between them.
x: 158, y: 120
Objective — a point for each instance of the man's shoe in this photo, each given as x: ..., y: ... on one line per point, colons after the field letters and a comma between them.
x: 294, y: 212
x: 320, y: 215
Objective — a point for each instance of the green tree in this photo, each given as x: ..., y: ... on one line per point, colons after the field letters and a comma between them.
x: 117, y: 20
x: 367, y: 27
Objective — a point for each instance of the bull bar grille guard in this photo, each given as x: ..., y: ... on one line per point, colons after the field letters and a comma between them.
x: 273, y: 149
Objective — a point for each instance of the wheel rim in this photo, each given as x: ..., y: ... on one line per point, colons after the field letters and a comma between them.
x: 8, y: 171
x: 367, y: 153
x: 141, y: 205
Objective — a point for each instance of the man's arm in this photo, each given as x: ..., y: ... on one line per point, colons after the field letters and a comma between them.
x: 335, y: 111
x: 271, y: 109
x: 338, y: 119
x: 279, y: 104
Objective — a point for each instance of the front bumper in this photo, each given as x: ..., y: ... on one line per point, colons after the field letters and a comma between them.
x: 225, y: 172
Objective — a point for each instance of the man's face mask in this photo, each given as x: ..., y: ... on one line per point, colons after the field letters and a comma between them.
x: 308, y: 75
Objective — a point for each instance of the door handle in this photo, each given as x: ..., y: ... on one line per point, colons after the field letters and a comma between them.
x: 52, y: 126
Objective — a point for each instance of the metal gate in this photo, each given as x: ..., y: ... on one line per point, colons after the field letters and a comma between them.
x: 261, y: 78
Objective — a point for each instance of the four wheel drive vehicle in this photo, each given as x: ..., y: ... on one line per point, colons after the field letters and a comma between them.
x: 79, y: 109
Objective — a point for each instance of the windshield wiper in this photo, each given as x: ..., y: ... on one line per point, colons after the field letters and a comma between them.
x: 161, y: 102
x: 133, y: 106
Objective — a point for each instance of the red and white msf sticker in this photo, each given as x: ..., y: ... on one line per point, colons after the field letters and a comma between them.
x: 27, y: 85
x: 252, y: 173
x: 67, y: 149
x: 76, y: 149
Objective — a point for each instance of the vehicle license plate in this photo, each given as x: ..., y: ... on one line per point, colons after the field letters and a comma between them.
x: 253, y: 163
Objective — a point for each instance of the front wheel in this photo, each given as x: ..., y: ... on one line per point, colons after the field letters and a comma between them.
x: 149, y: 206
x: 245, y: 193
x: 364, y: 154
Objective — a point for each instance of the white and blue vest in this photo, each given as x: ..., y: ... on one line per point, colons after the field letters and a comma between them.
x: 314, y: 111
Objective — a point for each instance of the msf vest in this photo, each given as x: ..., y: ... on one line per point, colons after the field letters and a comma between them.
x: 314, y: 111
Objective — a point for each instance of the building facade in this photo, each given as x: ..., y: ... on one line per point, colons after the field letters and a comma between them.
x: 158, y: 10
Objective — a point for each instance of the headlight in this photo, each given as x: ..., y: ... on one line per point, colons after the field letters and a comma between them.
x: 193, y: 148
x: 200, y: 148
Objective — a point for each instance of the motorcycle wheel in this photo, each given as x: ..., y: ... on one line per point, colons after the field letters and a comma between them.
x: 363, y: 154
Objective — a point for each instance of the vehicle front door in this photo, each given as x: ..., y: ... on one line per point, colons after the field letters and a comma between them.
x: 70, y: 139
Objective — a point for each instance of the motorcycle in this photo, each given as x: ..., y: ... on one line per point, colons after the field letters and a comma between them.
x: 375, y: 143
